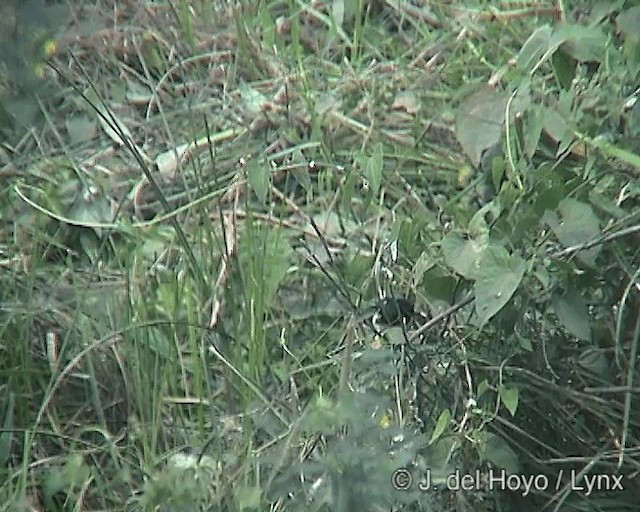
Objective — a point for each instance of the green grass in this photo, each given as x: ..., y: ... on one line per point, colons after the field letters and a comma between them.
x: 216, y: 196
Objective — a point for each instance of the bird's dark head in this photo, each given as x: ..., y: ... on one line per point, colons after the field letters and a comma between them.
x: 393, y: 311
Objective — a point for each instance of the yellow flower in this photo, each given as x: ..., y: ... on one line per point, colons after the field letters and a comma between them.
x: 50, y: 48
x: 385, y: 421
x: 38, y: 70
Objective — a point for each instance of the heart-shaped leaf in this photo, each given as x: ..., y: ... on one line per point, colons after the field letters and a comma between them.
x: 498, y: 278
x: 573, y: 314
x: 509, y: 396
x: 583, y: 43
x: 441, y: 425
x: 534, y: 48
x: 480, y: 121
x: 373, y: 169
x: 258, y: 177
x: 463, y: 255
x: 577, y: 225
x: 500, y: 453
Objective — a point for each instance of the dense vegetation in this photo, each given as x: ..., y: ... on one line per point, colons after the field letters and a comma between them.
x: 303, y: 255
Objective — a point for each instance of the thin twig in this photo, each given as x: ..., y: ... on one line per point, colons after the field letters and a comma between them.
x: 446, y: 313
x: 596, y: 241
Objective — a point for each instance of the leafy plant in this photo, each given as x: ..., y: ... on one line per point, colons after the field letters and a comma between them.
x: 294, y: 250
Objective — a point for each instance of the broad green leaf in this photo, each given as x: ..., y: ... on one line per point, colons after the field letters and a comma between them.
x: 441, y: 425
x: 498, y: 278
x: 522, y: 100
x: 480, y: 121
x: 478, y: 227
x: 90, y: 244
x: 258, y: 179
x: 329, y: 223
x: 301, y: 176
x: 268, y: 27
x: 557, y: 127
x: 277, y: 255
x: 577, y: 225
x: 498, y: 170
x: 628, y: 22
x: 523, y: 341
x: 493, y: 165
x: 253, y: 101
x: 438, y: 286
x: 564, y: 69
x: 327, y: 102
x: 406, y: 233
x: 81, y: 128
x: 572, y: 312
x: 357, y: 268
x: 248, y: 497
x: 602, y: 196
x: 373, y: 169
x: 583, y: 43
x: 73, y: 473
x: 509, y: 396
x: 321, y: 416
x: 483, y: 387
x: 533, y: 123
x: 90, y: 209
x: 300, y: 170
x: 601, y: 10
x: 422, y: 265
x: 113, y: 126
x: 463, y: 255
x: 565, y: 104
x: 534, y: 48
x: 616, y: 151
x: 500, y: 453
x: 595, y: 360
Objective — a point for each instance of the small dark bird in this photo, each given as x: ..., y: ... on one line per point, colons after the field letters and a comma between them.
x: 393, y: 311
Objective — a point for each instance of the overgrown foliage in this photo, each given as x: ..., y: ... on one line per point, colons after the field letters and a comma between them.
x: 295, y: 255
